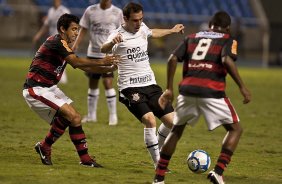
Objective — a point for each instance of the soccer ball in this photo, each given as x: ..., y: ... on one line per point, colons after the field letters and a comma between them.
x: 198, y: 161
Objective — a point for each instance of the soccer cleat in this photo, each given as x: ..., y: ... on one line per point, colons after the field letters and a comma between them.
x: 113, y: 120
x: 45, y: 154
x: 87, y: 119
x: 215, y: 178
x: 91, y: 163
x: 158, y: 182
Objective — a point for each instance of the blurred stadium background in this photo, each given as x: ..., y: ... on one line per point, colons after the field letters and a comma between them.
x: 256, y: 24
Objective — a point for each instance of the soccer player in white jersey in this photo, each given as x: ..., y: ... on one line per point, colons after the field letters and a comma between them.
x: 100, y: 19
x: 136, y: 81
x: 50, y: 26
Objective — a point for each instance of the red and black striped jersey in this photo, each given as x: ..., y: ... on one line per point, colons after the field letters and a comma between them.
x: 48, y: 63
x: 203, y: 71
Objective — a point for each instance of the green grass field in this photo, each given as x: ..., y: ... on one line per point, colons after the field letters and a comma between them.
x: 120, y: 149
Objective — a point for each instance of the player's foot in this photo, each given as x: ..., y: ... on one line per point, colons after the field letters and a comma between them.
x: 215, y: 178
x: 158, y: 182
x: 91, y: 163
x: 113, y: 120
x: 45, y: 154
x: 87, y: 119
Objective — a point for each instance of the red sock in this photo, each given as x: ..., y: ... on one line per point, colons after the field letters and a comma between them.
x: 162, y: 167
x: 79, y: 140
x: 57, y: 129
x: 223, y: 160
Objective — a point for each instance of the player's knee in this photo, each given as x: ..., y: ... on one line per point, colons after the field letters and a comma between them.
x: 76, y: 119
x: 149, y: 120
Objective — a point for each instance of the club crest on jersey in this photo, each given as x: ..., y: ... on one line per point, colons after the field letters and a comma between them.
x: 135, y: 97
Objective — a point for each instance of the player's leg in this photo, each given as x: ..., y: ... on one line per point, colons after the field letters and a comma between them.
x: 185, y: 113
x: 110, y: 94
x: 46, y: 102
x: 165, y: 115
x: 230, y: 142
x: 221, y: 112
x: 136, y: 102
x: 167, y: 151
x: 150, y: 137
x: 92, y: 97
x: 77, y: 134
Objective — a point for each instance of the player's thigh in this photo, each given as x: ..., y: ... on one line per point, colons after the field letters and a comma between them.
x: 218, y: 112
x: 186, y: 111
x: 153, y: 93
x: 45, y: 101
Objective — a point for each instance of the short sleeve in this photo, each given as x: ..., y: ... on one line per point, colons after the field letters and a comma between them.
x: 84, y: 21
x: 62, y: 48
x: 230, y: 49
x: 180, y: 51
x: 147, y: 30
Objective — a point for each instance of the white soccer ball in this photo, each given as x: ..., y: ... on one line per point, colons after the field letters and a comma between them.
x: 198, y: 161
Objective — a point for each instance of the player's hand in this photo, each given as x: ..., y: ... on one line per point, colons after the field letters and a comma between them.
x: 246, y: 94
x: 178, y: 28
x: 166, y: 98
x: 117, y: 39
x: 111, y: 60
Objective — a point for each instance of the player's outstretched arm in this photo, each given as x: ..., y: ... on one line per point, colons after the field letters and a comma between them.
x: 157, y: 33
x: 233, y: 72
x: 77, y: 62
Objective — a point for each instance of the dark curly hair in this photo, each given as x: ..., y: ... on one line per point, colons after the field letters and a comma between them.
x: 220, y: 19
x: 65, y: 20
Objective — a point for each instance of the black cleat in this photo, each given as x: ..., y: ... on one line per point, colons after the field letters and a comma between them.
x: 91, y: 163
x: 45, y: 155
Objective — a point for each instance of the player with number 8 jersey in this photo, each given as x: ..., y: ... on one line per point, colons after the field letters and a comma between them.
x: 207, y: 56
x: 203, y: 71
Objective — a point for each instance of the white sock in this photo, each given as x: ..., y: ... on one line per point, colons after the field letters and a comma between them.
x: 111, y: 100
x: 93, y: 97
x: 151, y: 142
x: 163, y: 132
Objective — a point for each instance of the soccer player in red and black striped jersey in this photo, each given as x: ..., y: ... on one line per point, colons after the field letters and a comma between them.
x: 48, y: 101
x: 207, y: 56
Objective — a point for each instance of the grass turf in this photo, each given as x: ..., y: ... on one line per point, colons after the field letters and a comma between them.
x: 121, y: 149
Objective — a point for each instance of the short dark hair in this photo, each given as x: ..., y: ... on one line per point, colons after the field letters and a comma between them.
x: 220, y: 19
x: 132, y: 7
x: 65, y: 20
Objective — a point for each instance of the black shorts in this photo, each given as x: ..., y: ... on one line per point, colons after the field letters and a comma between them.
x: 98, y: 75
x: 141, y: 100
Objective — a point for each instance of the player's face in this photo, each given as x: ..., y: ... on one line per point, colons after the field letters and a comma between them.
x: 134, y: 22
x: 72, y: 32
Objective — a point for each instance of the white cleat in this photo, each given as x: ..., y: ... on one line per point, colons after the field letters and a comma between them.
x: 113, y: 120
x: 215, y: 178
x: 87, y: 119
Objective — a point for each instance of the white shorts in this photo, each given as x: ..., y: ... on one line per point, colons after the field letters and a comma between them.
x: 216, y: 111
x: 45, y: 101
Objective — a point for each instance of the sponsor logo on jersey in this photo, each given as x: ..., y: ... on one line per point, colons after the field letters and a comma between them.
x: 65, y: 44
x: 136, y: 54
x: 141, y: 79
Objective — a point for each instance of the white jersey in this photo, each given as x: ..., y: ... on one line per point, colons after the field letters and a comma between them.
x: 53, y: 17
x: 100, y: 23
x: 134, y: 69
